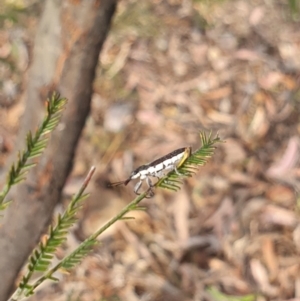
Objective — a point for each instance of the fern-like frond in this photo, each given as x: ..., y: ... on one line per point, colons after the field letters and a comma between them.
x: 35, y: 145
x: 77, y: 255
x: 173, y: 180
x: 66, y: 264
x: 41, y: 257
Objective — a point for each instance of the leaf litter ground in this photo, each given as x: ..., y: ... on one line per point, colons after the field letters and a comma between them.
x: 169, y: 69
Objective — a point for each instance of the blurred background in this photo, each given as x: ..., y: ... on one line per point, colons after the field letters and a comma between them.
x: 169, y: 69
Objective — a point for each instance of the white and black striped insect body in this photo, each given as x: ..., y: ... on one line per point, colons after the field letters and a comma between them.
x: 158, y: 169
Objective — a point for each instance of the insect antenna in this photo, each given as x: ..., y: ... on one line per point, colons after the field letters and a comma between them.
x: 125, y: 182
x: 115, y: 184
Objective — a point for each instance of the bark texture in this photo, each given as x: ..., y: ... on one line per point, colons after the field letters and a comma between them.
x: 67, y: 47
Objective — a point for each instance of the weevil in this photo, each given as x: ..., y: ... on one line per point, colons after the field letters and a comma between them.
x: 158, y: 169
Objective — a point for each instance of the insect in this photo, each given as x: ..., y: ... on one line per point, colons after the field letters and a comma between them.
x: 157, y: 168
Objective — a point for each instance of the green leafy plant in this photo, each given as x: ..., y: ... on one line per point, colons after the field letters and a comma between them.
x: 42, y: 256
x: 35, y: 145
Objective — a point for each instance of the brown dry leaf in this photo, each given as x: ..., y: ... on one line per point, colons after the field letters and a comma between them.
x: 217, y: 94
x: 260, y: 276
x: 288, y: 160
x: 271, y: 106
x: 222, y: 118
x: 259, y: 124
x: 210, y: 243
x: 181, y: 210
x: 247, y: 55
x: 270, y: 257
x: 270, y: 80
x: 256, y: 15
x: 281, y: 195
x: 275, y: 215
x: 240, y: 178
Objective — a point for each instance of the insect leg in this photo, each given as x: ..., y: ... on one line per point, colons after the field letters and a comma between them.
x: 149, y: 182
x: 137, y: 187
x: 151, y: 192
